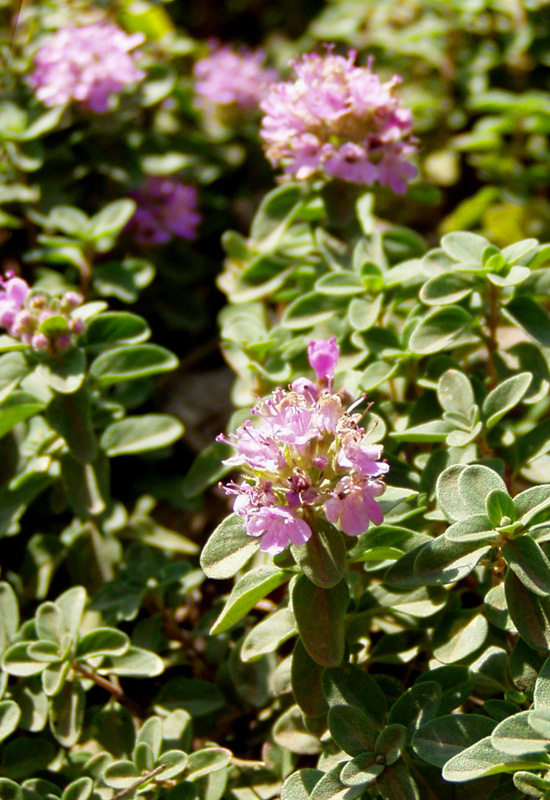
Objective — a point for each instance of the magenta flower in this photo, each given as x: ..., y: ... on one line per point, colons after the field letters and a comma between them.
x: 305, y: 457
x: 165, y: 208
x: 90, y: 64
x: 338, y: 120
x: 323, y: 357
x: 278, y: 527
x: 22, y: 311
x: 226, y: 77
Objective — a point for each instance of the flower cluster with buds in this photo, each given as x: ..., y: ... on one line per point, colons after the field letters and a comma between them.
x: 227, y: 77
x: 339, y: 120
x: 165, y: 208
x: 307, y: 457
x: 88, y: 64
x: 24, y: 313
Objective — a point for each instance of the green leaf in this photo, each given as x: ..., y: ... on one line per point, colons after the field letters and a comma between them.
x: 80, y: 789
x: 475, y: 482
x: 438, y: 330
x: 65, y: 375
x: 462, y: 638
x: 10, y: 715
x: 500, y: 505
x: 116, y: 326
x: 541, y: 694
x: 276, y: 212
x: 515, y: 737
x: 290, y: 732
x: 175, y: 762
x: 323, y: 558
x: 196, y: 696
x: 87, y: 484
x: 121, y: 774
x: 435, y: 431
x: 206, y: 469
x: 54, y: 677
x: 131, y: 362
x: 70, y: 416
x: 350, y: 685
x: 13, y: 368
x: 391, y: 743
x: 526, y: 558
x: 26, y: 756
x: 17, y: 407
x: 531, y: 502
x: 9, y: 614
x: 297, y: 786
x: 446, y: 561
x: 320, y: 615
x: 376, y: 374
x: 440, y: 739
x: 539, y: 721
x: 479, y: 760
x: 455, y: 393
x: 447, y: 288
x: 530, y: 612
x: 49, y: 623
x: 531, y: 317
x: 416, y: 706
x: 103, y: 641
x: 269, y: 634
x: 138, y: 434
x: 311, y: 309
x: 122, y: 279
x: 362, y: 770
x: 17, y: 661
x: 504, y: 397
x: 396, y: 783
x: 148, y: 744
x: 134, y: 663
x: 352, y: 730
x: 111, y: 219
x: 228, y: 549
x: 475, y: 529
x: 248, y: 590
x: 464, y: 246
x: 306, y: 685
x: 67, y: 713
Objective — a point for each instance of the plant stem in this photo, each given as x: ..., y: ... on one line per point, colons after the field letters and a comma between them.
x: 492, y: 340
x: 139, y: 781
x: 112, y: 688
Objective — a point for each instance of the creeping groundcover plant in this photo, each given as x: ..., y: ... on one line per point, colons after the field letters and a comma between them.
x: 274, y: 401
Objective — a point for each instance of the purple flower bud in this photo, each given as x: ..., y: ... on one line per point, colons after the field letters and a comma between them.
x: 323, y: 356
x: 63, y: 342
x: 40, y: 342
x: 72, y: 299
x: 78, y: 326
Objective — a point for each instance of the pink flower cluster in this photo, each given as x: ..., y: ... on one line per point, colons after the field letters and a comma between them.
x: 87, y: 64
x: 229, y: 78
x: 23, y: 313
x: 338, y: 119
x: 306, y: 457
x: 165, y: 208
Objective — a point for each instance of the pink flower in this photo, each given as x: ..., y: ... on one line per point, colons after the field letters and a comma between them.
x: 12, y: 299
x: 339, y: 120
x: 354, y: 507
x: 88, y: 64
x: 306, y: 457
x: 229, y: 78
x: 165, y: 208
x: 22, y: 312
x: 278, y: 527
x: 323, y: 356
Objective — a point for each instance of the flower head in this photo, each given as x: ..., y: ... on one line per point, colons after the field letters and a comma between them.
x: 89, y: 64
x: 339, y: 120
x: 227, y: 77
x: 306, y: 457
x: 23, y: 313
x: 165, y: 208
